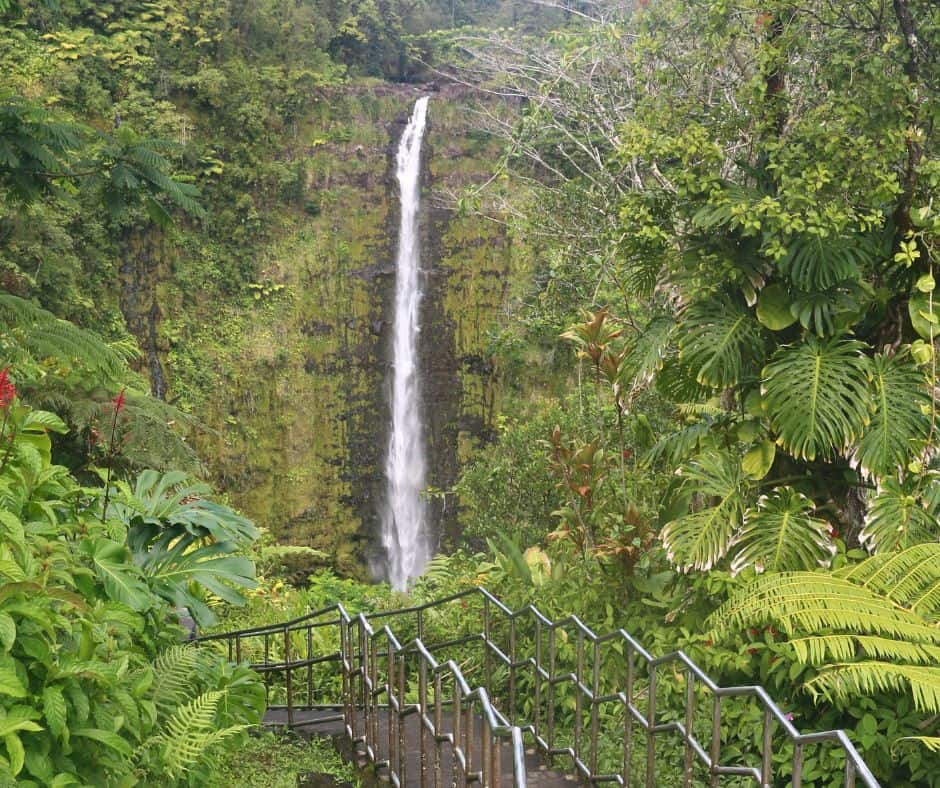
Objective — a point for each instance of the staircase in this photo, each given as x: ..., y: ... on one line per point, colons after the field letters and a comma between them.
x: 517, y: 700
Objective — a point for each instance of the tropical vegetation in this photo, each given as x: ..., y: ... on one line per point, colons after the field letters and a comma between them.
x: 703, y: 405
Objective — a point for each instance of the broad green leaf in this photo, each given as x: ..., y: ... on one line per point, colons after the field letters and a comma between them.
x: 898, y: 517
x: 107, y: 738
x: 816, y: 394
x: 41, y: 420
x: 701, y: 538
x: 120, y: 578
x: 781, y: 534
x: 758, y: 460
x: 899, y: 424
x: 15, y: 753
x: 7, y: 631
x: 10, y: 683
x: 719, y: 341
x: 773, y: 308
x: 923, y: 316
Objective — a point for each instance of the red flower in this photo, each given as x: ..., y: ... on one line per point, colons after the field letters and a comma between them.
x: 118, y: 402
x: 7, y: 389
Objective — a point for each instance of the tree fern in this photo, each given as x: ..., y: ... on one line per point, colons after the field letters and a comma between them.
x: 868, y: 628
x: 701, y: 538
x: 899, y: 425
x: 816, y: 395
x: 38, y: 335
x: 720, y: 342
x: 780, y: 533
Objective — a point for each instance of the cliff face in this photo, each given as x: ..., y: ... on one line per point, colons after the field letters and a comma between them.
x: 296, y: 371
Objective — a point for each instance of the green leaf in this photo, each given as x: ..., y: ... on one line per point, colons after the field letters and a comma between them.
x: 10, y: 683
x: 898, y: 517
x: 814, y: 263
x: 780, y: 534
x: 16, y: 753
x: 719, y: 341
x: 120, y: 578
x: 773, y: 308
x: 758, y: 460
x: 41, y: 421
x: 55, y: 710
x: 18, y: 718
x: 7, y: 631
x: 816, y: 395
x: 925, y: 283
x: 923, y: 316
x: 699, y: 539
x: 898, y: 425
x: 107, y: 738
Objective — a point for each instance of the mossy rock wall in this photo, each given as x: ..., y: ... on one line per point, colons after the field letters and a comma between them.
x: 294, y: 373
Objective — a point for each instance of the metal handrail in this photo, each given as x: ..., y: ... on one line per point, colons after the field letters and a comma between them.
x: 369, y: 672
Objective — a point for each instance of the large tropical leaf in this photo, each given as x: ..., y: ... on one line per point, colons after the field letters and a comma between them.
x: 647, y: 351
x: 781, y: 533
x: 816, y: 394
x: 898, y: 516
x: 171, y: 572
x: 814, y: 263
x: 720, y: 341
x: 173, y: 505
x: 701, y: 538
x: 899, y: 424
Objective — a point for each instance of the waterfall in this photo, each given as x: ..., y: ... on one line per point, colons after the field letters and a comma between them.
x: 404, y: 519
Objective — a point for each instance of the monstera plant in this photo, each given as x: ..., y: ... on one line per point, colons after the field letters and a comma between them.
x: 184, y: 544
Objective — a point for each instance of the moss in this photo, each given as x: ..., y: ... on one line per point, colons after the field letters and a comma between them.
x: 291, y: 384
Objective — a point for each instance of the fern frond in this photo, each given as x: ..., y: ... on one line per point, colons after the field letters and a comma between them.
x: 847, y: 679
x: 189, y: 732
x: 819, y: 649
x: 909, y: 578
x: 814, y: 602
x: 173, y: 675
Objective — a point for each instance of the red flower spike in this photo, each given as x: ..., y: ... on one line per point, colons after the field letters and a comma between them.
x: 7, y: 389
x: 118, y: 402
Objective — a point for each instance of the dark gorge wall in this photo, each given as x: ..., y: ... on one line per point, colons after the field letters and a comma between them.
x: 290, y: 376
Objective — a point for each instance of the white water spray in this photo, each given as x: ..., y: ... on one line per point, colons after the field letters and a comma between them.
x: 404, y: 520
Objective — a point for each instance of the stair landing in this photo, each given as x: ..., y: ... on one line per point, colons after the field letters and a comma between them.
x: 539, y: 774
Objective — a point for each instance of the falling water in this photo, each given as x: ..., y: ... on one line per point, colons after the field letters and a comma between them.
x: 404, y: 521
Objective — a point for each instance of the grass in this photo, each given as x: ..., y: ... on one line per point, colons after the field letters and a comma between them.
x: 274, y: 761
